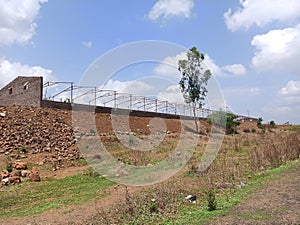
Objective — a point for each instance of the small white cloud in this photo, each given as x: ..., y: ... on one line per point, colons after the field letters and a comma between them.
x: 235, y: 69
x: 292, y: 88
x: 17, y: 20
x: 169, y: 67
x: 165, y: 9
x: 241, y: 92
x: 223, y: 71
x: 278, y: 49
x: 10, y: 70
x: 87, y: 44
x: 171, y: 94
x: 135, y: 87
x: 261, y: 12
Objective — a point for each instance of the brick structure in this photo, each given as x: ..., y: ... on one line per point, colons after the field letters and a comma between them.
x: 22, y: 91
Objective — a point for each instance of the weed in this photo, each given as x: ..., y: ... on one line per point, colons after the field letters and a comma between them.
x: 129, y: 202
x: 153, y: 206
x: 211, y: 200
x: 9, y: 168
x: 131, y: 139
x: 92, y: 131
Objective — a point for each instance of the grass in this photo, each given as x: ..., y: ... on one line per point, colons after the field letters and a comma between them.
x: 197, y: 214
x: 292, y: 128
x: 51, y: 194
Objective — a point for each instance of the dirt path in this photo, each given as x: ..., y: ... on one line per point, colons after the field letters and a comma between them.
x: 73, y: 214
x: 275, y: 202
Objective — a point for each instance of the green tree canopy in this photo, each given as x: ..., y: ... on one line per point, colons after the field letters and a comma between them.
x: 194, y: 80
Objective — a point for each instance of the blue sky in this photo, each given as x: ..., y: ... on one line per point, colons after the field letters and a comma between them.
x: 251, y: 46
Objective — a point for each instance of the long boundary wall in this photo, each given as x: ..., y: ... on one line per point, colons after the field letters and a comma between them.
x: 101, y: 109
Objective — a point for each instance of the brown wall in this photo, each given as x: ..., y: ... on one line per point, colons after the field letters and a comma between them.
x: 14, y: 93
x: 101, y: 109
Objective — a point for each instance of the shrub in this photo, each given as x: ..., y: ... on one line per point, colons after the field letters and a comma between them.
x: 259, y: 122
x: 272, y: 123
x: 211, y: 199
x: 224, y: 120
x: 9, y: 168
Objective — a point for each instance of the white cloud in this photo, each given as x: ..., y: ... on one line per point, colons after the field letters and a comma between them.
x: 165, y: 9
x: 235, y: 69
x: 87, y: 44
x: 261, y: 12
x: 17, y: 20
x: 292, y: 88
x: 135, y: 87
x: 171, y: 94
x: 241, y: 92
x: 223, y: 71
x: 278, y: 49
x: 286, y: 104
x: 10, y: 70
x: 169, y: 67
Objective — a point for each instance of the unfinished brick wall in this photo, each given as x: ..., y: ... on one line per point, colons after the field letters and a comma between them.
x: 22, y: 91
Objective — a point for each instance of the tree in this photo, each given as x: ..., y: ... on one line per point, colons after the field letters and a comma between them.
x: 272, y: 123
x: 259, y: 122
x: 226, y: 120
x: 194, y: 80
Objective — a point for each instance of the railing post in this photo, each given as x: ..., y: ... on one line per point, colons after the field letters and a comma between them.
x: 115, y: 100
x: 130, y: 102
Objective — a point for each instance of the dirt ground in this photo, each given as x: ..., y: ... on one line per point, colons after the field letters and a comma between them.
x: 73, y: 214
x: 275, y: 202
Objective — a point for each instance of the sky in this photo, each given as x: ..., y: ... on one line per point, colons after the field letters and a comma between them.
x: 252, y: 47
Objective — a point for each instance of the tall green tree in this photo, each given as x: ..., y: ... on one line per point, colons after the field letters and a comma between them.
x: 194, y: 80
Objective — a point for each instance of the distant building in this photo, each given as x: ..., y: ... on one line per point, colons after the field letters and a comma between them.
x: 247, y: 119
x: 23, y: 91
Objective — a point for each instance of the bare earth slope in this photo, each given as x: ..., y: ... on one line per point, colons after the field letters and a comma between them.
x: 275, y: 202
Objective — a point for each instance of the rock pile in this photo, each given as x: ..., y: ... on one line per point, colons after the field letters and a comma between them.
x: 26, y: 131
x: 19, y: 173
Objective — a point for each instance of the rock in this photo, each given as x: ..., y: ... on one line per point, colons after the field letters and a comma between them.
x: 34, y: 170
x: 191, y: 198
x: 16, y: 173
x: 2, y: 115
x: 4, y: 174
x: 5, y: 181
x: 25, y: 173
x: 34, y: 177
x: 21, y: 165
x: 14, y: 180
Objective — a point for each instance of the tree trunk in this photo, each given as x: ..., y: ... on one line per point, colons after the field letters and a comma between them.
x: 195, y: 118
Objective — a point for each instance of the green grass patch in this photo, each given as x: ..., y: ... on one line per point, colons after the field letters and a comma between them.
x: 255, y: 216
x: 199, y: 213
x: 33, y: 198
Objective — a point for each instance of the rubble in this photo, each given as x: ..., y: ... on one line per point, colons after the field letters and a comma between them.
x: 26, y: 131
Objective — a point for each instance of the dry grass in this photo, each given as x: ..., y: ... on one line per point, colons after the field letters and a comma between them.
x: 241, y: 157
